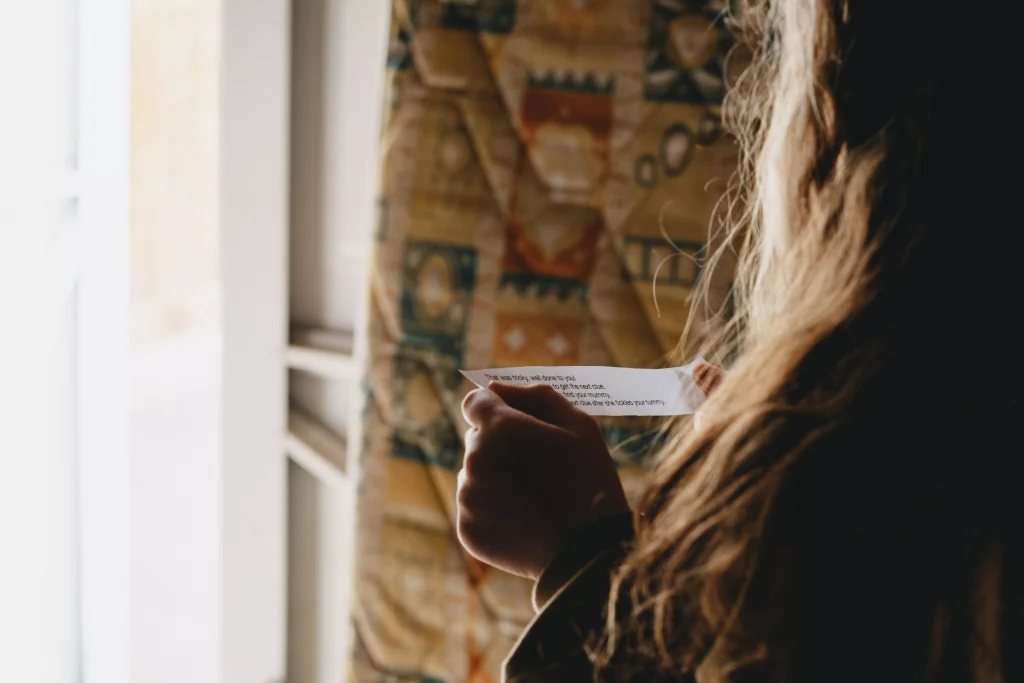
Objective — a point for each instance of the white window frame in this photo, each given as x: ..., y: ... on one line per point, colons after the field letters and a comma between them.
x: 254, y: 190
x: 103, y: 456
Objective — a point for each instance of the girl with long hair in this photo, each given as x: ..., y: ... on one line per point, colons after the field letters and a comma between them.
x: 849, y: 509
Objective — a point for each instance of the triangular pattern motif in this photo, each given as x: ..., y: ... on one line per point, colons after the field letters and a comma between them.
x: 540, y: 160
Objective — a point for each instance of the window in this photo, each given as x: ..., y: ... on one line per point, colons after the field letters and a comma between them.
x: 39, y: 237
x: 63, y: 86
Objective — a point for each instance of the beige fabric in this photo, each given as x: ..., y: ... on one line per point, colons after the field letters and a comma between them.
x: 532, y: 157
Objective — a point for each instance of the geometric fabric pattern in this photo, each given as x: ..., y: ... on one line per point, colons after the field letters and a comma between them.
x: 549, y: 169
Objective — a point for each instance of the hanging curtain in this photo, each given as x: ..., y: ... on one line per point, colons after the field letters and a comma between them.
x: 541, y: 160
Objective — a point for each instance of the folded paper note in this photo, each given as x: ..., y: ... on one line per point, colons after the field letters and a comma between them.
x: 600, y: 390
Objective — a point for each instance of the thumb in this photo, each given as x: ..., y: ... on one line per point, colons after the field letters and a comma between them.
x: 540, y: 401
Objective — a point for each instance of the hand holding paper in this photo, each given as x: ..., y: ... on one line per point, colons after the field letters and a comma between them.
x: 536, y: 469
x: 600, y: 390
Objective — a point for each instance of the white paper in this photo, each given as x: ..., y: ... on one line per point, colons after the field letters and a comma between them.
x: 598, y: 390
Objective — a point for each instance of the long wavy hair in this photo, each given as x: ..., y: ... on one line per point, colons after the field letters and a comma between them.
x: 848, y: 510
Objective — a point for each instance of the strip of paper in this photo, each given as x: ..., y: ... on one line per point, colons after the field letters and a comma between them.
x: 600, y: 390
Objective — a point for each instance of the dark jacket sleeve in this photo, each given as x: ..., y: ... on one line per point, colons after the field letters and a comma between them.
x: 570, y: 596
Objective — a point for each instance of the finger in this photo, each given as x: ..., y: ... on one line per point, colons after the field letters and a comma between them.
x: 470, y: 443
x: 716, y: 378
x: 700, y: 373
x: 464, y: 513
x: 471, y: 456
x: 707, y: 377
x: 481, y: 405
x: 471, y: 438
x: 510, y: 437
x: 472, y: 494
x: 541, y: 401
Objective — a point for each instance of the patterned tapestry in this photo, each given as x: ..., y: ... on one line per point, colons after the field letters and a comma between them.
x: 542, y: 160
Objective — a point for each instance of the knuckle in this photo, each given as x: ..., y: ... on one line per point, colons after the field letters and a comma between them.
x: 471, y: 463
x: 549, y: 393
x: 471, y: 439
x: 470, y: 403
x: 469, y: 524
x: 498, y: 427
x: 478, y: 465
x: 479, y: 406
x: 464, y: 495
x: 590, y: 427
x: 469, y: 533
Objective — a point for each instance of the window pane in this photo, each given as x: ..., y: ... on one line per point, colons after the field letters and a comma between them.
x: 38, y: 507
x: 38, y: 306
x: 37, y: 74
x: 175, y: 277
